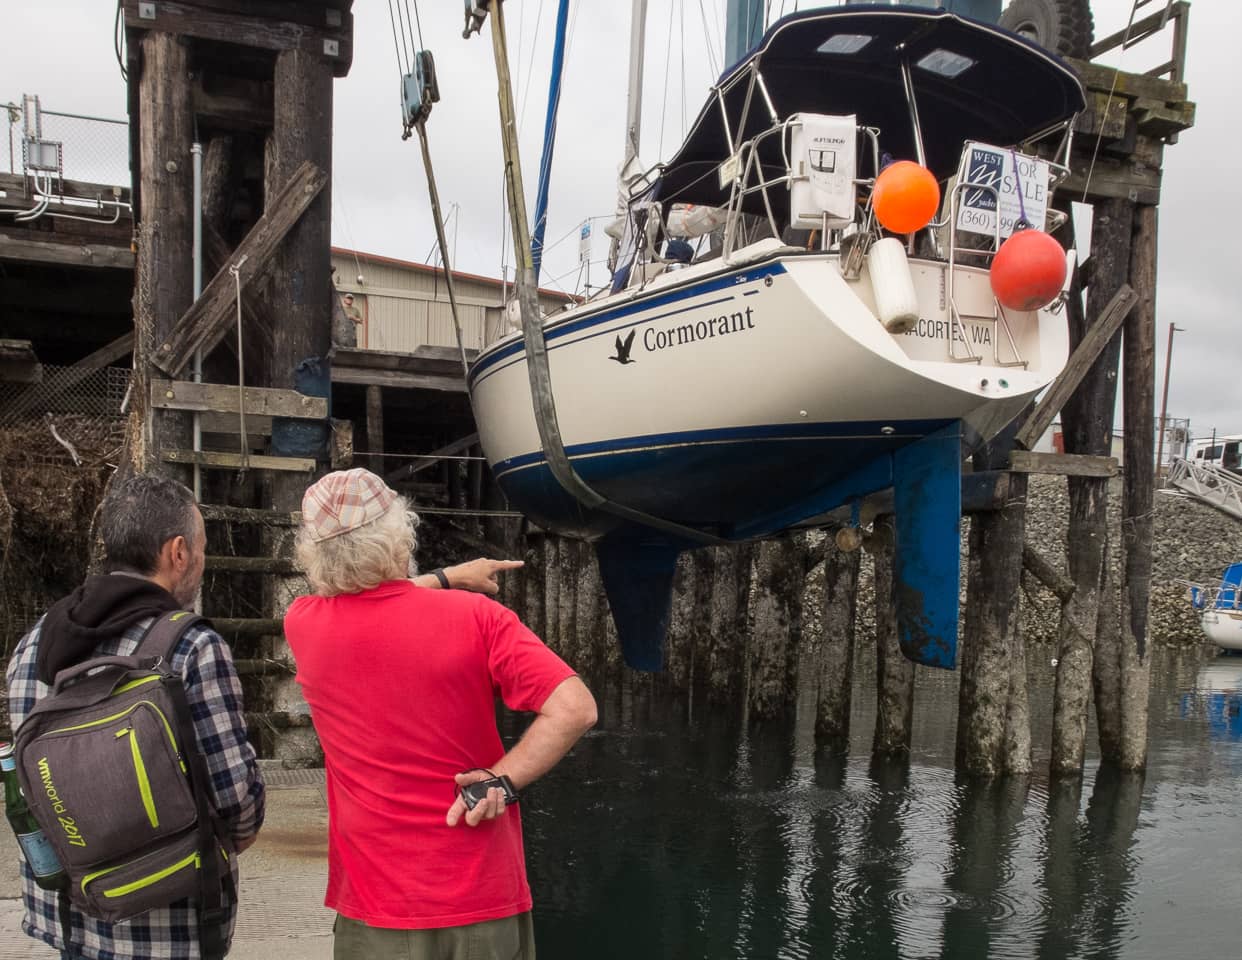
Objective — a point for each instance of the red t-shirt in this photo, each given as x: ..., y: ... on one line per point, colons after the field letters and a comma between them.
x: 401, y: 683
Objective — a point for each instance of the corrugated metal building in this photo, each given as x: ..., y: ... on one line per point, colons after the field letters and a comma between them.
x: 405, y: 305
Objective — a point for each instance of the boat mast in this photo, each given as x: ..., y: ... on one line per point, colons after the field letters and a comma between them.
x: 634, y: 100
x: 549, y: 138
x: 633, y: 118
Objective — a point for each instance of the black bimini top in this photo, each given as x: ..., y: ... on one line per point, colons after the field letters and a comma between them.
x: 971, y: 81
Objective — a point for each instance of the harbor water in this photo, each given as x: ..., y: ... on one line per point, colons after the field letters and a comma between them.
x: 678, y: 830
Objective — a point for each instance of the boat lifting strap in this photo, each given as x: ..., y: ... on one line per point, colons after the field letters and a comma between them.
x: 437, y: 216
x: 532, y: 327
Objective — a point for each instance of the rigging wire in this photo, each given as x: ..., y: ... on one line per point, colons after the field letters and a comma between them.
x: 392, y: 18
x: 683, y: 68
x: 531, y: 73
x: 404, y: 39
x: 668, y: 59
x: 1108, y: 104
x: 707, y: 41
x: 418, y: 21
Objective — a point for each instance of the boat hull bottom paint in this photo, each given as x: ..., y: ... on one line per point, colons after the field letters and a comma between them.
x: 637, y: 565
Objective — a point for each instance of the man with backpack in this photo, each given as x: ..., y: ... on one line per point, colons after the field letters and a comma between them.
x: 154, y: 546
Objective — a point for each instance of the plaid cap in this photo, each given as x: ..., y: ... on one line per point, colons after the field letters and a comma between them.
x: 343, y: 501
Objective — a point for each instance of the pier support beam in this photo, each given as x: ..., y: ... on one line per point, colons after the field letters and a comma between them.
x: 775, y: 625
x: 164, y: 287
x: 894, y: 673
x: 1136, y: 517
x: 836, y: 651
x: 301, y: 290
x: 1088, y: 429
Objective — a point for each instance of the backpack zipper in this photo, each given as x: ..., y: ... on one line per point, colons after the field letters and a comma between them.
x: 140, y: 771
x: 133, y: 683
x: 117, y: 716
x: 141, y: 882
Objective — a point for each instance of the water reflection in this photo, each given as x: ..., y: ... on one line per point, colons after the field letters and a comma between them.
x: 666, y: 836
x: 1218, y: 692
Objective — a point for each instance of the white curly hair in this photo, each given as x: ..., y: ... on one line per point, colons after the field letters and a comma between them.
x: 364, y: 557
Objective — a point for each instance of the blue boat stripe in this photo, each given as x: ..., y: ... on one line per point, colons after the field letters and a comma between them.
x: 709, y: 285
x: 604, y: 333
x: 764, y: 433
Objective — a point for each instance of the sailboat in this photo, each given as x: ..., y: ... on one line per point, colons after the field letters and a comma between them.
x: 826, y: 348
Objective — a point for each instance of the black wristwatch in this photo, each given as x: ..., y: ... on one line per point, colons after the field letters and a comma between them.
x: 438, y: 573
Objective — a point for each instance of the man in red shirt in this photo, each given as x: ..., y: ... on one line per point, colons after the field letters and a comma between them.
x: 401, y: 681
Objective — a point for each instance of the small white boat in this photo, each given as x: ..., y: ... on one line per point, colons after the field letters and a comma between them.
x: 1222, y: 608
x: 755, y: 390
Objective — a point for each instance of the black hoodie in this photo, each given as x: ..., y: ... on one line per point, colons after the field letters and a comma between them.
x: 101, y: 609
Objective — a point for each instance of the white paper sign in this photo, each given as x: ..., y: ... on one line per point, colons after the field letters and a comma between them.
x: 584, y: 243
x: 1022, y: 186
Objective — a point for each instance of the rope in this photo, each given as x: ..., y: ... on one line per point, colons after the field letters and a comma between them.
x: 392, y: 18
x: 417, y: 22
x: 404, y: 40
x: 235, y: 270
x: 1108, y: 105
x: 1023, y: 222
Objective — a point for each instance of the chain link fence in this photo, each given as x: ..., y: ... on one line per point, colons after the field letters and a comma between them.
x: 73, y: 146
x: 60, y: 440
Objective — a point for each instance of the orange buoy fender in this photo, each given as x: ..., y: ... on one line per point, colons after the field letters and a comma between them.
x: 905, y: 197
x: 1028, y: 270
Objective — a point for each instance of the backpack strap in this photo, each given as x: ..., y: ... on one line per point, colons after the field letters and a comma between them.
x: 166, y: 631
x: 212, y: 906
x: 162, y: 639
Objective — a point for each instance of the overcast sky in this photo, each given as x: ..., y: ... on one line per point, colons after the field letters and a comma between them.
x: 380, y: 195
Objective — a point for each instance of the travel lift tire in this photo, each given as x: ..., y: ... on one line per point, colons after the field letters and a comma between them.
x: 1062, y: 26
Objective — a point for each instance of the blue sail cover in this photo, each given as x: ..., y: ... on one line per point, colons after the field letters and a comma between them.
x: 972, y: 81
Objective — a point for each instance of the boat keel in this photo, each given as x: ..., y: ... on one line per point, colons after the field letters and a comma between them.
x: 638, y: 579
x: 927, y: 498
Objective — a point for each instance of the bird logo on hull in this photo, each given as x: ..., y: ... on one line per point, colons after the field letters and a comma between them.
x: 623, y: 348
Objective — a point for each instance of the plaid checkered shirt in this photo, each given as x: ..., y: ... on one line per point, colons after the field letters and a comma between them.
x: 215, y: 699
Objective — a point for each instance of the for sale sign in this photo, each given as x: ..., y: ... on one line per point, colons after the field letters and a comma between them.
x: 1001, y: 180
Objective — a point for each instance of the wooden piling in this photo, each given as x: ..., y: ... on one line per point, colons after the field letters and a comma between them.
x: 775, y: 618
x: 988, y: 729
x: 989, y: 640
x: 164, y: 289
x: 836, y: 646
x: 727, y: 619
x: 552, y: 592
x: 1088, y: 427
x: 894, y: 673
x: 534, y: 574
x: 301, y: 288
x: 1137, y: 505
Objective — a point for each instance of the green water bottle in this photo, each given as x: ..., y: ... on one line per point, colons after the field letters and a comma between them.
x: 40, y: 856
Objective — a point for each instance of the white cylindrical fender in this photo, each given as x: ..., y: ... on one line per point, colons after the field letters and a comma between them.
x: 896, y: 303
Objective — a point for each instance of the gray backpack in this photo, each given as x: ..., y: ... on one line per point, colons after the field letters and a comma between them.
x: 111, y: 769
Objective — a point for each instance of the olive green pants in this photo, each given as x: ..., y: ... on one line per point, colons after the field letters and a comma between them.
x: 510, y: 938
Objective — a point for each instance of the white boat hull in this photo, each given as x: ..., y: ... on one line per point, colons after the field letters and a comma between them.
x: 1223, y: 627
x: 724, y: 391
